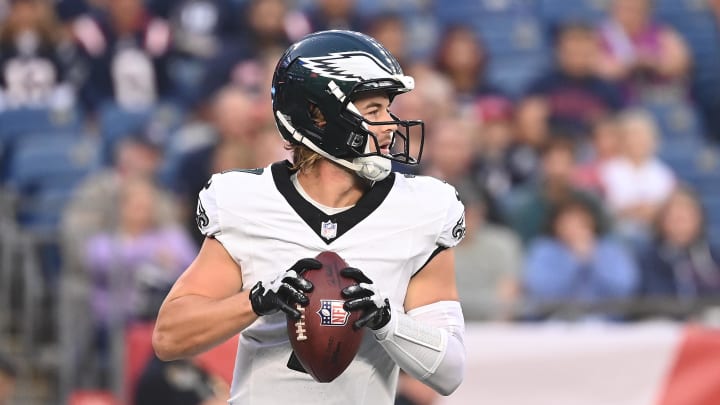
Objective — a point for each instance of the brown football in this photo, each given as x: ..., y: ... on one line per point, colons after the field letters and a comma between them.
x: 323, y: 339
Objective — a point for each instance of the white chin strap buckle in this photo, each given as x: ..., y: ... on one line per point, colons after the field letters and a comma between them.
x: 373, y: 168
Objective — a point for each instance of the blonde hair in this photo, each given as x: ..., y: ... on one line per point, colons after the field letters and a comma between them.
x: 639, y: 116
x: 303, y: 157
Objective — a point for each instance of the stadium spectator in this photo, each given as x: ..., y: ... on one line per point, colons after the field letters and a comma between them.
x: 462, y: 57
x: 641, y: 52
x: 4, y: 9
x: 179, y: 382
x: 604, y: 146
x: 264, y: 29
x: 389, y: 29
x: 531, y: 121
x: 334, y: 15
x: 271, y: 25
x: 488, y: 261
x: 94, y: 205
x: 529, y: 206
x: 433, y: 97
x: 450, y: 148
x: 680, y: 262
x: 235, y: 127
x: 8, y: 379
x: 576, y: 263
x: 636, y: 182
x: 575, y: 96
x: 126, y: 51
x: 531, y: 132
x: 133, y: 266
x: 499, y: 163
x: 36, y: 59
x: 68, y: 10
x: 197, y: 26
x: 198, y: 31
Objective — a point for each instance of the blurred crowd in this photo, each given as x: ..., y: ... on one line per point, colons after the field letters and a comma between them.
x: 583, y: 145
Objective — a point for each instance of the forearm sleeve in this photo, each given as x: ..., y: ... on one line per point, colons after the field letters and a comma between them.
x: 427, y: 343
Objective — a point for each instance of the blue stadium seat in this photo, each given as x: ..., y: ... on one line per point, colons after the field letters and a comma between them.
x: 514, y: 72
x: 711, y: 203
x: 512, y: 33
x: 21, y: 121
x: 117, y: 123
x: 15, y: 123
x: 403, y: 7
x: 44, y: 171
x: 678, y: 120
x: 675, y: 7
x: 467, y: 11
x: 554, y: 11
x: 682, y: 157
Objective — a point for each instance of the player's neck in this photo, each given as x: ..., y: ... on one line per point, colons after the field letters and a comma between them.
x: 331, y: 185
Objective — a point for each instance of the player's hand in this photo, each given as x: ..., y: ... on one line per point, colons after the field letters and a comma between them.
x: 285, y: 291
x: 365, y: 297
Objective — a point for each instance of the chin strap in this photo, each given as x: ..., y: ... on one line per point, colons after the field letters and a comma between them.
x: 374, y: 168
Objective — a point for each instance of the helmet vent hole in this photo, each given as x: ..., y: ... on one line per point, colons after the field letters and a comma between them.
x: 317, y: 116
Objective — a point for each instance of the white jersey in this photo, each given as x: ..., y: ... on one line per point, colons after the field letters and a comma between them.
x: 266, y: 226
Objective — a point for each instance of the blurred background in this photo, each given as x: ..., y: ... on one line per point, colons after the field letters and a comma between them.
x: 583, y: 137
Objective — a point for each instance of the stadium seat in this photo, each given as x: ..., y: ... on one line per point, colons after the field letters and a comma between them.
x: 512, y: 33
x: 554, y: 11
x: 116, y: 123
x: 711, y: 204
x: 369, y: 8
x: 682, y: 157
x: 16, y: 123
x: 514, y: 72
x: 218, y: 361
x: 467, y: 11
x: 678, y: 120
x: 21, y: 121
x: 675, y: 7
x: 43, y: 172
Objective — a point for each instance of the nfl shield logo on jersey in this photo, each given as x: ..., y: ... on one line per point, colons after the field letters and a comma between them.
x: 332, y: 313
x: 328, y: 229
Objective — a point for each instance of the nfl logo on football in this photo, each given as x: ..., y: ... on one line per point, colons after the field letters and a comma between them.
x: 332, y: 313
x: 328, y: 229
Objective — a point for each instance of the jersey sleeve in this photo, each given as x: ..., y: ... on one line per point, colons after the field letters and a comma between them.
x: 453, y: 230
x: 206, y: 213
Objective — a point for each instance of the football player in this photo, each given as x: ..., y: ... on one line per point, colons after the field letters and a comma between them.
x: 331, y: 95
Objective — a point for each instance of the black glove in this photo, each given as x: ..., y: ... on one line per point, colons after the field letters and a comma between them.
x: 285, y: 291
x: 365, y: 297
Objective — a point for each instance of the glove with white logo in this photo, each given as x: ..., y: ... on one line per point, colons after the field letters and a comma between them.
x: 285, y: 291
x: 365, y: 297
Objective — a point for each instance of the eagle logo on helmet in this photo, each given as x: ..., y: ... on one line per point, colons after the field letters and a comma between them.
x: 347, y: 66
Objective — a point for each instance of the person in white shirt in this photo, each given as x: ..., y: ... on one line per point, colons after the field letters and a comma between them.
x: 331, y: 100
x: 636, y: 182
